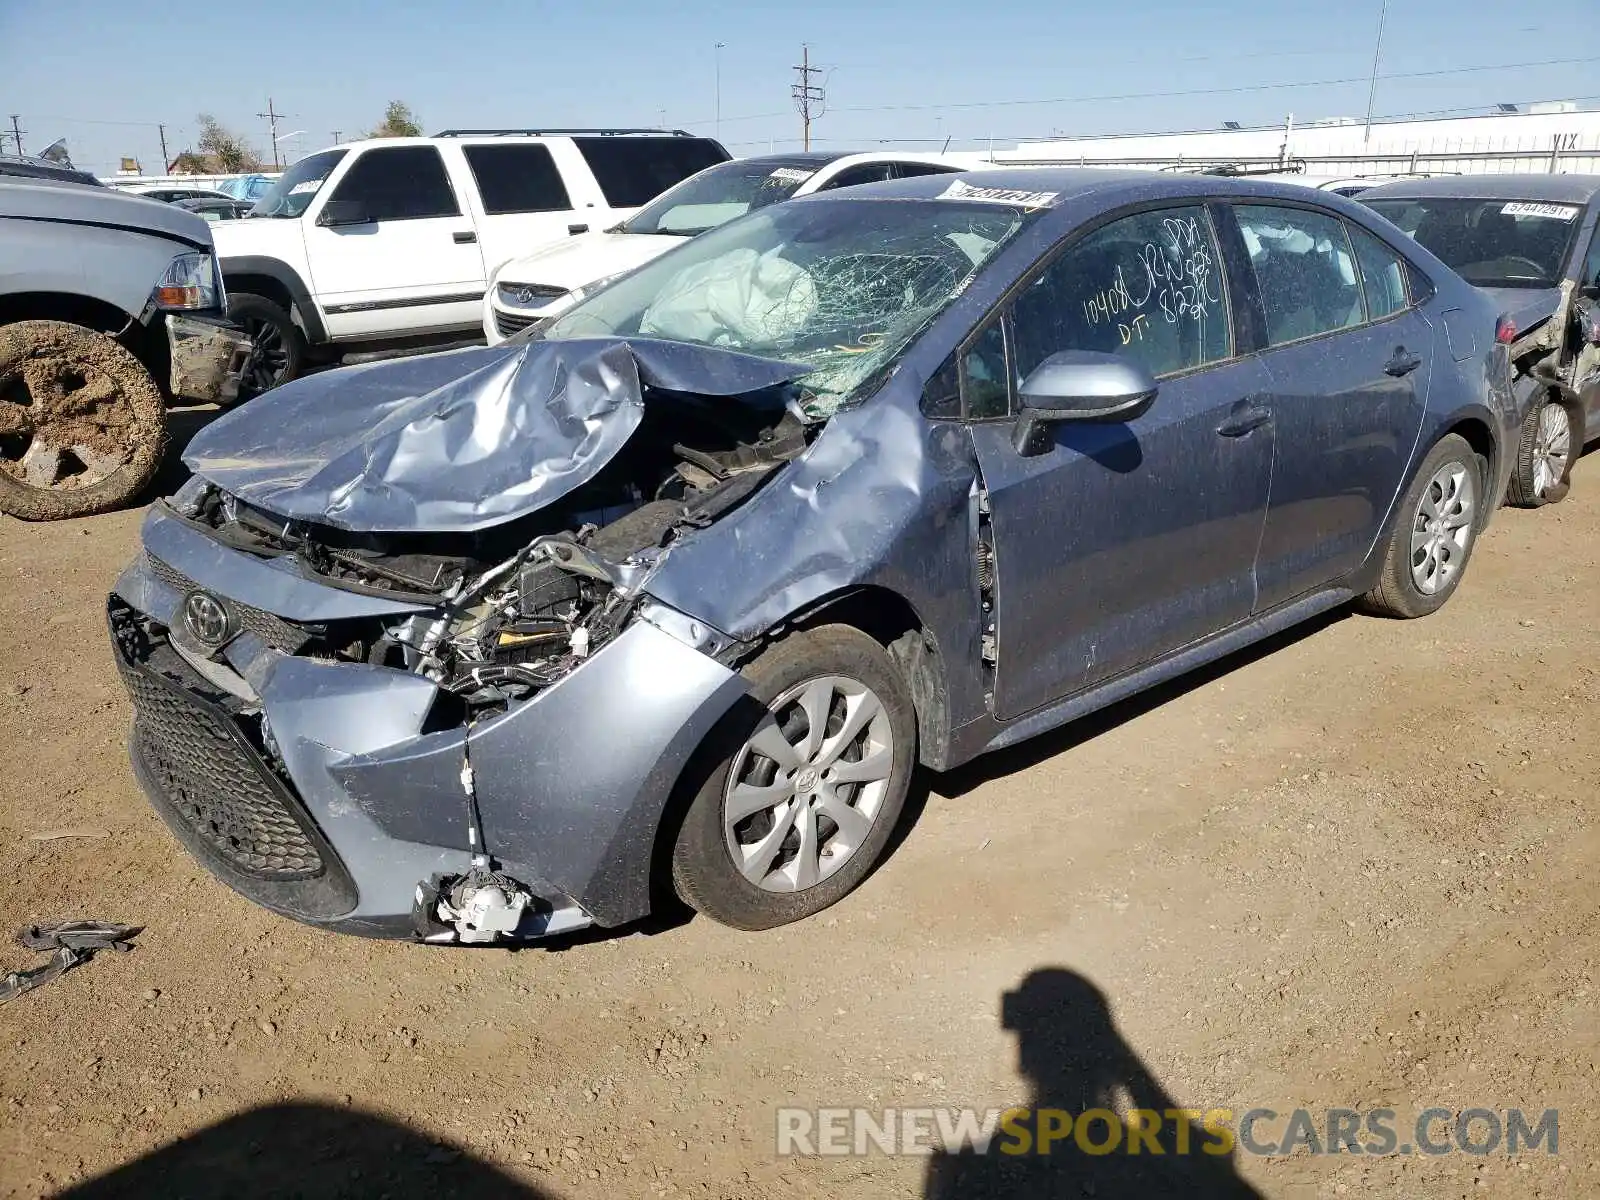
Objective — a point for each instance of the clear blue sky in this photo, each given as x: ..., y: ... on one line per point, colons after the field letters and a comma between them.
x: 104, y: 72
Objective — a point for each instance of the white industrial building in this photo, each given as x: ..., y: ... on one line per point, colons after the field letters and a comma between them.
x: 1557, y: 136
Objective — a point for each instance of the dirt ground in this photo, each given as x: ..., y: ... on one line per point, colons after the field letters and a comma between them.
x: 1354, y: 869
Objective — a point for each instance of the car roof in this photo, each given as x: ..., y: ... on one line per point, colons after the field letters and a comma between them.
x: 1570, y: 189
x: 1051, y: 187
x: 467, y: 137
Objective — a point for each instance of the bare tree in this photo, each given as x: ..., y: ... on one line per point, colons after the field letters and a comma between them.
x: 398, y: 121
x: 225, y: 151
x: 190, y: 163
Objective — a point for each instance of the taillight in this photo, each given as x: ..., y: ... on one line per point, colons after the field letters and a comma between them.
x: 1505, y: 331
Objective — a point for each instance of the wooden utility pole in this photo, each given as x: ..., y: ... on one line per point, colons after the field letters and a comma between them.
x: 16, y: 132
x: 166, y: 163
x: 271, y: 118
x: 809, y: 98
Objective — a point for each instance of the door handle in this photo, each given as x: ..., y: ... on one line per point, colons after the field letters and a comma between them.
x: 1403, y: 363
x: 1244, y: 418
x: 464, y: 238
x: 575, y: 230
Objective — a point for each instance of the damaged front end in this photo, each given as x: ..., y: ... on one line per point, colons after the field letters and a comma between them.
x: 425, y: 715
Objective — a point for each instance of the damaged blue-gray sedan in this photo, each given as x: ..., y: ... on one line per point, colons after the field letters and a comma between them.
x: 673, y: 593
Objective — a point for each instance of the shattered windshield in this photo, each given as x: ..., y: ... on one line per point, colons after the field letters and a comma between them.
x: 297, y: 186
x: 718, y: 195
x: 1490, y: 243
x: 842, y: 285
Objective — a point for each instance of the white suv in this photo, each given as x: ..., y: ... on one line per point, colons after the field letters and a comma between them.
x: 541, y: 284
x: 389, y: 243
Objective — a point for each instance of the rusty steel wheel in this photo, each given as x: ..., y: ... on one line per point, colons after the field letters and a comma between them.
x: 82, y: 424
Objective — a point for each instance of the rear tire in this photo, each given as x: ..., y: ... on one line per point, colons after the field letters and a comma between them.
x: 810, y: 820
x: 82, y: 423
x: 279, y: 349
x: 1544, y: 456
x: 1434, y: 532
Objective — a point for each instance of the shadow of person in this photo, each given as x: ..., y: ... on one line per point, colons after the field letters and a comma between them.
x: 1076, y: 1060
x: 305, y: 1150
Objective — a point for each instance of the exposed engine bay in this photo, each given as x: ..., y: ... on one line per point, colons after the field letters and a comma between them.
x: 517, y: 606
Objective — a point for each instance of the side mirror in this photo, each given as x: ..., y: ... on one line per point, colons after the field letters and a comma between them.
x: 1080, y: 385
x: 344, y: 212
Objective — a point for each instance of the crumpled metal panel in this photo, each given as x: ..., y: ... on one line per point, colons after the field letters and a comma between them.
x: 459, y: 441
x: 274, y: 585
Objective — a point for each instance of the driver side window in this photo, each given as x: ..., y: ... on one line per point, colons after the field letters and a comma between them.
x: 1591, y: 265
x: 1149, y: 287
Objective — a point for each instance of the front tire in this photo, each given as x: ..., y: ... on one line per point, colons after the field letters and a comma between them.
x: 1544, y: 456
x: 1433, y: 535
x: 82, y: 423
x: 802, y: 790
x: 278, y: 347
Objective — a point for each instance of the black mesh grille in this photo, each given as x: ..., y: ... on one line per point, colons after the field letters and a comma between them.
x: 510, y: 323
x: 273, y: 630
x: 214, y: 780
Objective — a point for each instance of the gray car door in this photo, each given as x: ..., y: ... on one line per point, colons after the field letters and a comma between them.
x: 1121, y: 542
x: 1350, y: 358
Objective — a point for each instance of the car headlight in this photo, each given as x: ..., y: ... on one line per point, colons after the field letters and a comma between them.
x: 190, y: 281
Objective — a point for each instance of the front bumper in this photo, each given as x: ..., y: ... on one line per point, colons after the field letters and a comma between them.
x: 362, y: 801
x: 208, y: 358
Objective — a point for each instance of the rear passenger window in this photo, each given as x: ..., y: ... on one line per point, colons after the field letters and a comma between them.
x: 1383, y: 275
x: 400, y: 183
x: 1304, y: 271
x: 1148, y: 286
x: 517, y: 179
x: 632, y: 171
x: 913, y: 170
x: 854, y: 176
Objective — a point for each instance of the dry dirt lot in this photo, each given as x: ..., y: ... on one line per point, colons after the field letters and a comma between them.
x: 1354, y: 870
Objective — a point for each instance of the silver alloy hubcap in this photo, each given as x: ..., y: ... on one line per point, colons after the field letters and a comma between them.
x: 1551, y: 447
x: 1442, y: 530
x: 806, y: 789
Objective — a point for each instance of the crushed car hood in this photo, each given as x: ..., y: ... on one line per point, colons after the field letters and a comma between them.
x: 459, y: 441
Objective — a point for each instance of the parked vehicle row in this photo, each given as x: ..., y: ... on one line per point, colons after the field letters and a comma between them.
x: 1532, y: 244
x: 388, y: 243
x: 541, y: 284
x: 672, y: 592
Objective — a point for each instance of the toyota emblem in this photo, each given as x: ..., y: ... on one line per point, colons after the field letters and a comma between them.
x: 207, y: 618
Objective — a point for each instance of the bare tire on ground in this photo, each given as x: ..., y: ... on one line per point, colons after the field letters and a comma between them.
x: 1434, y: 532
x: 82, y: 424
x: 278, y: 348
x: 799, y: 790
x: 1544, y: 456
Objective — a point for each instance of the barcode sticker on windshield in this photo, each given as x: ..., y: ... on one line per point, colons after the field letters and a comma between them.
x: 1527, y: 208
x: 791, y: 174
x: 993, y: 195
x: 308, y: 185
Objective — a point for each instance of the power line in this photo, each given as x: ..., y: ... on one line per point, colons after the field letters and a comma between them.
x: 1221, y: 91
x: 809, y: 98
x: 918, y: 139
